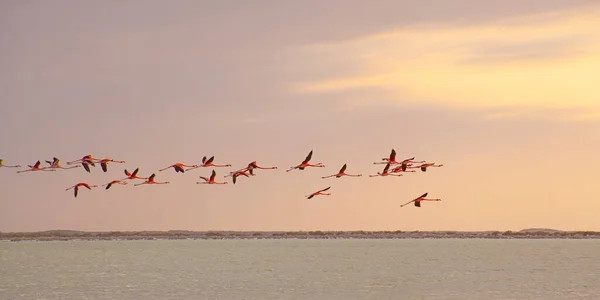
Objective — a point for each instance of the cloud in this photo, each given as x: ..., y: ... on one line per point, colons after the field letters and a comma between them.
x: 546, y: 62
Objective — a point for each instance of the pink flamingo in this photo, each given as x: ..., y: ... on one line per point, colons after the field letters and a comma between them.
x: 83, y: 184
x: 104, y: 163
x: 178, y: 167
x: 121, y: 182
x: 251, y: 166
x: 55, y: 164
x: 320, y: 192
x: 150, y: 180
x: 385, y: 172
x: 341, y: 173
x: 424, y: 167
x: 211, y: 180
x: 418, y: 200
x: 305, y: 163
x: 36, y: 167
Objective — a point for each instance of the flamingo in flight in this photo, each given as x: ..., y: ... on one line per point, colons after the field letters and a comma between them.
x: 211, y: 180
x: 401, y: 169
x: 55, y: 164
x: 341, y: 173
x: 178, y: 167
x: 424, y: 167
x: 388, y: 160
x: 150, y: 180
x: 133, y: 175
x: 305, y: 163
x: 208, y: 163
x: 5, y: 166
x: 417, y: 201
x: 83, y: 184
x: 320, y: 192
x: 104, y: 163
x: 86, y: 159
x: 238, y: 173
x: 36, y: 167
x: 385, y: 172
x: 114, y: 182
x: 409, y: 162
x: 251, y: 166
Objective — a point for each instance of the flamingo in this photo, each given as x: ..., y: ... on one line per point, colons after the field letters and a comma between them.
x: 251, y: 166
x: 208, y: 163
x: 104, y: 163
x: 150, y: 180
x: 409, y: 162
x: 385, y: 172
x: 341, y: 173
x: 133, y: 175
x: 55, y: 164
x: 5, y: 166
x: 417, y: 201
x: 238, y: 173
x: 86, y: 159
x: 36, y: 167
x: 305, y: 163
x: 391, y: 160
x: 121, y: 182
x: 319, y: 193
x: 424, y: 167
x: 211, y: 180
x: 402, y: 169
x: 83, y: 184
x: 178, y: 167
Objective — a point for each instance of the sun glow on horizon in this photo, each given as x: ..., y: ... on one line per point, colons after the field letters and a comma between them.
x: 547, y: 62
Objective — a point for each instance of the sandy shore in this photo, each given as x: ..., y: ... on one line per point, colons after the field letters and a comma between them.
x: 63, y: 235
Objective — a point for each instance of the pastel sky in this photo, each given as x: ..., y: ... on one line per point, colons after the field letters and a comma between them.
x: 504, y: 93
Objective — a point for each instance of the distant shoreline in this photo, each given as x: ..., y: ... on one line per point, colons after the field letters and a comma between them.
x: 66, y: 235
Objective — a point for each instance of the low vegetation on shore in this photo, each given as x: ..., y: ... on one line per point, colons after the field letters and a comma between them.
x: 52, y: 235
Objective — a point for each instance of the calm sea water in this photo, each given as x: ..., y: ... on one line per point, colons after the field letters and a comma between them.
x: 301, y: 269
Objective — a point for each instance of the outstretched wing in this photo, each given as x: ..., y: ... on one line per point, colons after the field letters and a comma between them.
x: 104, y: 166
x: 310, y: 197
x: 404, y: 167
x: 393, y: 155
x: 76, y: 191
x: 135, y: 172
x: 343, y: 169
x: 204, y: 159
x: 109, y: 185
x: 325, y: 189
x: 127, y: 173
x: 179, y: 169
x: 212, y: 176
x: 422, y: 196
x: 151, y: 177
x: 210, y: 160
x: 418, y: 203
x: 308, y: 157
x: 424, y: 169
x: 86, y: 166
x: 387, y: 167
x: 37, y: 164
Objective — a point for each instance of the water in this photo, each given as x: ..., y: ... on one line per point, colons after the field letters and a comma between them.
x: 301, y: 269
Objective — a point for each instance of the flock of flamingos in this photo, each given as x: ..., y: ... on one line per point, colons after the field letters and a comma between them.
x: 407, y: 165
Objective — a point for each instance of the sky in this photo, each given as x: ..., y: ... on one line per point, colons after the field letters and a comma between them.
x: 503, y: 93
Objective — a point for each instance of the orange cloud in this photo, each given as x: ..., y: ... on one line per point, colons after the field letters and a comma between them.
x: 549, y: 61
